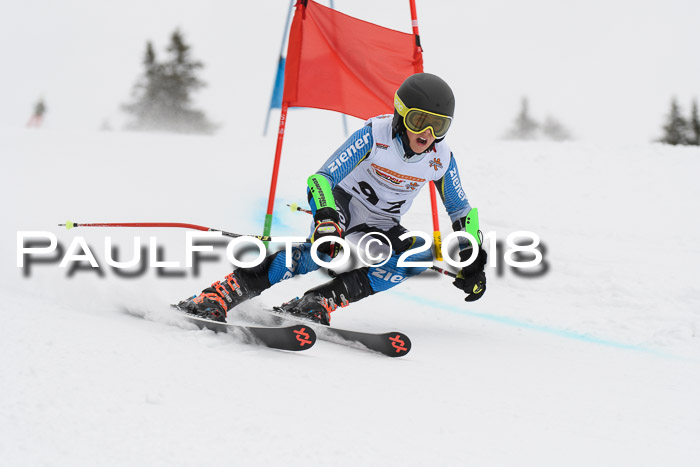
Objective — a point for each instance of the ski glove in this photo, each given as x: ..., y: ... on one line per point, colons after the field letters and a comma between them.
x: 327, y: 225
x: 472, y: 278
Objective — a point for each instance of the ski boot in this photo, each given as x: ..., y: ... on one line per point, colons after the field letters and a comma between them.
x: 318, y: 303
x: 214, y: 302
x: 312, y: 307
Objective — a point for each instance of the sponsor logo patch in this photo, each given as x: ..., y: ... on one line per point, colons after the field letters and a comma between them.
x: 435, y: 163
x: 382, y: 146
x: 395, y: 178
x: 457, y: 184
x: 353, y: 149
x: 387, y: 177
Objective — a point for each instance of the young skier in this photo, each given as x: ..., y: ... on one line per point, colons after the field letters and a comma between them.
x: 366, y: 186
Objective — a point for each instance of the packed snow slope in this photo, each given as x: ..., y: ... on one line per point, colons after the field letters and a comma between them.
x: 594, y: 361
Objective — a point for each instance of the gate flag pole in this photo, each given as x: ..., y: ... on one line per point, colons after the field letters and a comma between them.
x: 275, y: 170
x: 276, y: 99
x: 437, y: 239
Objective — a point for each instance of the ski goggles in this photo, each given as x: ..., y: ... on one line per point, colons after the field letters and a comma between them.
x: 417, y: 120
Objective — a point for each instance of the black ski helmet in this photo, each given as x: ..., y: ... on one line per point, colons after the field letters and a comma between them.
x: 424, y: 91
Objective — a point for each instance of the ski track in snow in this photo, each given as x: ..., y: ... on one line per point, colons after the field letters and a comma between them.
x: 595, y: 363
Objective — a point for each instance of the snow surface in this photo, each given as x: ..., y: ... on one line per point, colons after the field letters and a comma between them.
x: 595, y: 363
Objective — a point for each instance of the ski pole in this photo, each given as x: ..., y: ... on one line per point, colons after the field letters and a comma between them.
x: 69, y: 225
x: 444, y: 271
x: 265, y: 238
x: 296, y: 207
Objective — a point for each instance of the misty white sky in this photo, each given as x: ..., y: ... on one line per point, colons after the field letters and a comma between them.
x: 606, y: 68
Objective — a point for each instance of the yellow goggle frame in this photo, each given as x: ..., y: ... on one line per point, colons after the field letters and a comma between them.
x: 417, y: 121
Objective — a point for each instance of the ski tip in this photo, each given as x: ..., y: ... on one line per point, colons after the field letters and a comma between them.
x: 400, y: 344
x: 305, y: 336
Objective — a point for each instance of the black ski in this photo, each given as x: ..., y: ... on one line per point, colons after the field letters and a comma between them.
x: 391, y: 344
x: 296, y: 337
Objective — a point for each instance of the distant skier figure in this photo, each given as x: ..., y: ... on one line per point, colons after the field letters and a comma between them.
x: 365, y: 187
x: 38, y: 116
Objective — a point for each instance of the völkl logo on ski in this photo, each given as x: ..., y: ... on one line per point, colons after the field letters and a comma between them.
x: 303, y: 337
x: 398, y: 344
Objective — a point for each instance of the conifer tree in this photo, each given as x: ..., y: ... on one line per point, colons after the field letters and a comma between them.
x: 676, y: 127
x: 555, y: 130
x: 694, y: 125
x: 163, y: 94
x: 525, y: 127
